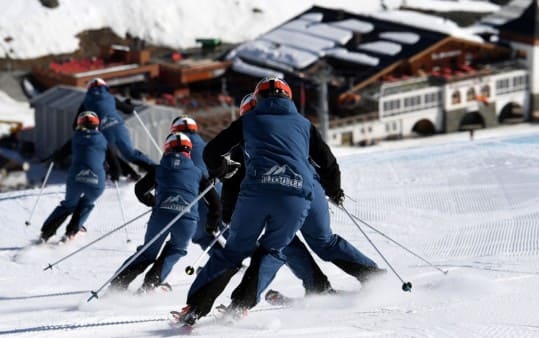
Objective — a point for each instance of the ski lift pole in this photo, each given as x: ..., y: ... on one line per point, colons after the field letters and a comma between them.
x: 148, y: 132
x: 51, y: 165
x: 50, y: 266
x: 95, y: 294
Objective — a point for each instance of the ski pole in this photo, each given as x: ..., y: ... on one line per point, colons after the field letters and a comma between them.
x: 148, y: 132
x: 95, y: 294
x: 28, y: 222
x: 400, y: 245
x: 121, y: 209
x: 406, y: 286
x: 350, y: 198
x: 190, y: 268
x: 50, y: 266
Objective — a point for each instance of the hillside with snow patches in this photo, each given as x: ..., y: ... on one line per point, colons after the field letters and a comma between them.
x: 467, y: 207
x: 30, y: 30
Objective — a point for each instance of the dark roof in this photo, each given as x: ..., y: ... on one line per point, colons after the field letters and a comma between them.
x: 526, y: 23
x: 517, y: 17
x: 360, y: 44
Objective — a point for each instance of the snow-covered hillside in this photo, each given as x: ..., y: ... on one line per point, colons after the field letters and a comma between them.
x: 469, y: 207
x: 29, y: 30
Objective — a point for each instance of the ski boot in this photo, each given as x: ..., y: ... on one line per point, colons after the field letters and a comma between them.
x: 276, y: 298
x: 146, y: 289
x: 186, y: 316
x: 232, y: 313
x: 370, y: 273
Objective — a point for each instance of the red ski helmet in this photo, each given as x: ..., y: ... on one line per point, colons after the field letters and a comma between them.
x: 247, y: 103
x: 87, y: 120
x: 272, y: 86
x: 183, y: 123
x: 178, y: 143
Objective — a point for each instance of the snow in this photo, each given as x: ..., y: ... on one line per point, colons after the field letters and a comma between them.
x: 428, y: 22
x: 344, y: 54
x: 242, y: 67
x: 280, y: 56
x: 329, y: 32
x: 298, y: 40
x: 37, y: 31
x: 12, y: 112
x: 408, y: 38
x: 453, y: 6
x: 355, y: 25
x: 381, y: 47
x: 468, y: 207
x: 175, y: 23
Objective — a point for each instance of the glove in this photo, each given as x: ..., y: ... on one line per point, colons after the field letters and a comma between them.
x: 125, y: 106
x: 227, y: 169
x: 337, y: 197
x: 114, y: 174
x: 148, y: 199
x: 46, y: 159
x: 227, y: 215
x: 54, y: 157
x: 114, y: 177
x: 212, y: 225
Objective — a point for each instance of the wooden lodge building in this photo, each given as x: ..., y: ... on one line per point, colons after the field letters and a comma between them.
x: 388, y: 79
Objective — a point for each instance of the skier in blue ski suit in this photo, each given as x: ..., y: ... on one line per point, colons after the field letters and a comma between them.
x: 275, y: 196
x: 99, y: 100
x: 298, y: 257
x: 177, y: 182
x: 85, y: 178
x: 188, y: 126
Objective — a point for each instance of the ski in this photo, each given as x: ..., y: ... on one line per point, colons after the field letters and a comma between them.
x: 176, y: 320
x: 185, y: 324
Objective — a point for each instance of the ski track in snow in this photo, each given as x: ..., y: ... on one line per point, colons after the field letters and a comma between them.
x: 468, y: 207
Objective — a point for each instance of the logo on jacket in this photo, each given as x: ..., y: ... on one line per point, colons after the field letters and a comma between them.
x: 108, y: 122
x: 282, y: 175
x: 87, y: 176
x: 175, y: 203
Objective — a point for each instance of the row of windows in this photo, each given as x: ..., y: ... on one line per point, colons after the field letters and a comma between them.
x: 511, y: 84
x: 393, y: 107
x: 471, y: 95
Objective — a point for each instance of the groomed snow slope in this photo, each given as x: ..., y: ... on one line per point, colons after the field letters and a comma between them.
x: 469, y: 207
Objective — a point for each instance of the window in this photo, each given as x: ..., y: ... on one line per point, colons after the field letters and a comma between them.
x: 485, y: 91
x: 455, y: 97
x: 470, y: 94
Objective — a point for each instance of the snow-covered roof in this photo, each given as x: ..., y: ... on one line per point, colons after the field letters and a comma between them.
x: 426, y: 22
x: 381, y: 47
x: 313, y: 17
x: 513, y: 10
x: 12, y: 111
x: 256, y: 71
x: 345, y: 54
x: 320, y: 30
x: 408, y: 38
x: 268, y: 52
x: 374, y: 40
x: 298, y: 40
x: 354, y: 25
x: 454, y: 6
